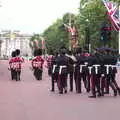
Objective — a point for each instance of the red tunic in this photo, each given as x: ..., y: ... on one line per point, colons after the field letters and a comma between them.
x: 15, y: 63
x: 11, y: 62
x: 37, y: 62
x: 49, y: 60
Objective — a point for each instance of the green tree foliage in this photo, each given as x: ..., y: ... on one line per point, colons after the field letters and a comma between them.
x: 57, y: 35
x: 32, y: 40
x: 92, y: 14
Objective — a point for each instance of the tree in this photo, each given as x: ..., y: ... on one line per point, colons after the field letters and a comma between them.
x: 56, y: 36
x: 92, y: 13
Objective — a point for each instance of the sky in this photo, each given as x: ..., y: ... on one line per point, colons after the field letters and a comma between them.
x: 33, y: 16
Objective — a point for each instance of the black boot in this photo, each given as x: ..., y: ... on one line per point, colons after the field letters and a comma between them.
x: 102, y: 93
x: 71, y: 90
x: 99, y: 94
x: 52, y: 90
x: 93, y: 96
x: 115, y: 93
x: 107, y: 92
x: 88, y: 90
x: 60, y: 92
x: 78, y: 92
x: 65, y: 91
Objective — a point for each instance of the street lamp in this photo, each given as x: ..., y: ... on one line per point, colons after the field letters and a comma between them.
x: 105, y: 33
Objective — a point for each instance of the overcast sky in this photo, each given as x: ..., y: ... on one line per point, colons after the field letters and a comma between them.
x: 33, y: 15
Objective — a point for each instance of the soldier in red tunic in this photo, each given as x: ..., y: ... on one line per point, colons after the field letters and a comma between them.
x: 37, y: 64
x: 11, y: 65
x: 49, y: 59
x: 15, y: 65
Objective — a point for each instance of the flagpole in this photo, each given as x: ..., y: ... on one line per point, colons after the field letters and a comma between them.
x: 119, y: 31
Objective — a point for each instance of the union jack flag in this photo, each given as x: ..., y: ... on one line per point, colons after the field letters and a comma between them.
x: 72, y: 30
x: 113, y: 12
x: 74, y: 34
x: 43, y: 42
x: 36, y: 43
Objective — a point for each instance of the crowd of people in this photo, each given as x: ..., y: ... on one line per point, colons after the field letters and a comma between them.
x: 96, y: 71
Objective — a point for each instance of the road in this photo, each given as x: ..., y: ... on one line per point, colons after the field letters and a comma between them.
x: 30, y: 99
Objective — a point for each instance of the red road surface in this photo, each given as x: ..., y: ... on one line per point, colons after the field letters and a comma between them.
x: 30, y: 99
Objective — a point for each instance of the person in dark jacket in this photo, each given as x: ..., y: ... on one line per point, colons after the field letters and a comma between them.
x: 54, y: 72
x: 96, y: 75
x: 62, y: 63
x: 108, y: 63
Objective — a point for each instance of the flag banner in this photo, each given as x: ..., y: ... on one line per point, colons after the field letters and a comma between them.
x: 43, y: 42
x: 74, y: 35
x: 36, y: 43
x: 113, y: 13
x: 71, y: 30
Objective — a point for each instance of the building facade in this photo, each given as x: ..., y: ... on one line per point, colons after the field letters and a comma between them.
x: 11, y: 40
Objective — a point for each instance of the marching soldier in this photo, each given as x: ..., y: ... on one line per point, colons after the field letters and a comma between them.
x: 83, y: 72
x: 96, y: 75
x: 54, y: 75
x: 17, y: 64
x: 71, y: 61
x: 62, y: 63
x: 49, y: 60
x: 11, y: 65
x: 114, y: 70
x: 108, y: 63
x: 37, y: 64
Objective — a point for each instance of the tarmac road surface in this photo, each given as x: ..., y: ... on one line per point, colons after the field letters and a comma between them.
x: 30, y: 99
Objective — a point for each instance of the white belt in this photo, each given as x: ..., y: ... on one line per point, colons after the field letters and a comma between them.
x: 107, y: 67
x: 96, y: 68
x: 86, y: 63
x: 90, y: 70
x: 74, y: 65
x: 114, y: 66
x: 53, y: 70
x: 61, y: 67
x: 81, y: 66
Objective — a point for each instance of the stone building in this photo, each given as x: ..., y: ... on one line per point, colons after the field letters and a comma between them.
x: 11, y: 40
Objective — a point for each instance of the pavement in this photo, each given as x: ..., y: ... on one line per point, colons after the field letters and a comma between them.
x: 30, y: 99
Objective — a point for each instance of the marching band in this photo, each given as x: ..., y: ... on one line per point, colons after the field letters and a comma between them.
x: 97, y: 71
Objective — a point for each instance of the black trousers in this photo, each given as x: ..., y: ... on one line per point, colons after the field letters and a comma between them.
x: 54, y: 78
x: 63, y: 82
x: 13, y: 74
x: 76, y: 78
x: 38, y: 73
x: 111, y: 82
x: 114, y: 81
x: 71, y: 80
x: 95, y: 82
x: 86, y: 82
x: 17, y: 74
x: 49, y: 71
